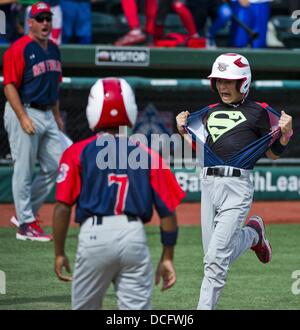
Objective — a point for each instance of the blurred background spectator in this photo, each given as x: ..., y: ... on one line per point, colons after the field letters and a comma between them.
x: 255, y: 14
x: 77, y: 21
x: 217, y: 11
x: 132, y: 22
x: 156, y: 13
x: 187, y: 19
x: 135, y: 34
x: 11, y: 9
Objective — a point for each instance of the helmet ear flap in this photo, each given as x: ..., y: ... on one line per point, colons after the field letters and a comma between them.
x: 242, y: 86
x: 213, y: 84
x: 239, y: 85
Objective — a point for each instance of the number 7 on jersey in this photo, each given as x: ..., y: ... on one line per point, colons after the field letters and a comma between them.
x: 122, y: 181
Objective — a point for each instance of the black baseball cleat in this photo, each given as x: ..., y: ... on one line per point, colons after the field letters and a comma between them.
x: 262, y: 249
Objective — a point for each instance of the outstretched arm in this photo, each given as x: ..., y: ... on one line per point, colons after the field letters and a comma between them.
x: 57, y: 116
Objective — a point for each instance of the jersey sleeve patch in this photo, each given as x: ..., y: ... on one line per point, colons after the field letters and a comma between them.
x: 68, y: 181
x: 62, y: 173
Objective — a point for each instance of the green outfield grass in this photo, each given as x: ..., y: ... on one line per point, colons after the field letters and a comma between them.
x: 31, y: 282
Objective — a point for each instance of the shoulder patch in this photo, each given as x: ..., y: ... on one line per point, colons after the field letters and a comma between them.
x: 62, y: 174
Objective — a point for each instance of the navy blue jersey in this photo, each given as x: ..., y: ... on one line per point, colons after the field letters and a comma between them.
x: 36, y: 72
x: 118, y: 188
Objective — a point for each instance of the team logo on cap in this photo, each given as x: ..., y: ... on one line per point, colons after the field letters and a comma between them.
x: 222, y: 66
x: 42, y: 6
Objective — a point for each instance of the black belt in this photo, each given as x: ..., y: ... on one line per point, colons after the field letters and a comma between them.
x: 97, y: 220
x: 220, y: 171
x: 43, y: 107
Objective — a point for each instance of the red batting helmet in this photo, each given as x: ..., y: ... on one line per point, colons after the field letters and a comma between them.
x: 232, y: 66
x: 111, y: 104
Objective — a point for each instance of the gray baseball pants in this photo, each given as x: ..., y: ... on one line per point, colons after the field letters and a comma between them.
x: 113, y: 252
x: 225, y: 203
x: 44, y: 146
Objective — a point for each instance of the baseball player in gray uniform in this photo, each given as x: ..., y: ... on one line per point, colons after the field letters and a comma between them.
x: 237, y: 132
x: 32, y: 74
x: 113, y: 201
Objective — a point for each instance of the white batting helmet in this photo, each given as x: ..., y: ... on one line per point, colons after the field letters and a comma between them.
x: 232, y: 66
x: 111, y: 104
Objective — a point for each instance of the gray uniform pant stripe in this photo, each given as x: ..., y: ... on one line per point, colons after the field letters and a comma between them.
x: 114, y: 252
x: 225, y: 203
x: 44, y: 146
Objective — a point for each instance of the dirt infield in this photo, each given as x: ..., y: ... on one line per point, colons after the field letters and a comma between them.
x: 188, y: 213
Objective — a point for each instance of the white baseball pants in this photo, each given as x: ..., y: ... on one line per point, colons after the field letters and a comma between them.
x: 44, y: 146
x: 112, y: 252
x: 225, y: 203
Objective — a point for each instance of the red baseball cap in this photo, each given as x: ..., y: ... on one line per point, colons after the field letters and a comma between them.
x: 40, y: 8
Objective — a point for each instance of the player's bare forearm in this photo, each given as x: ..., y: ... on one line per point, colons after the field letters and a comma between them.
x: 61, y: 219
x: 55, y: 109
x: 188, y: 139
x: 169, y: 223
x: 57, y: 116
x: 167, y: 253
x: 271, y: 155
x: 165, y: 268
